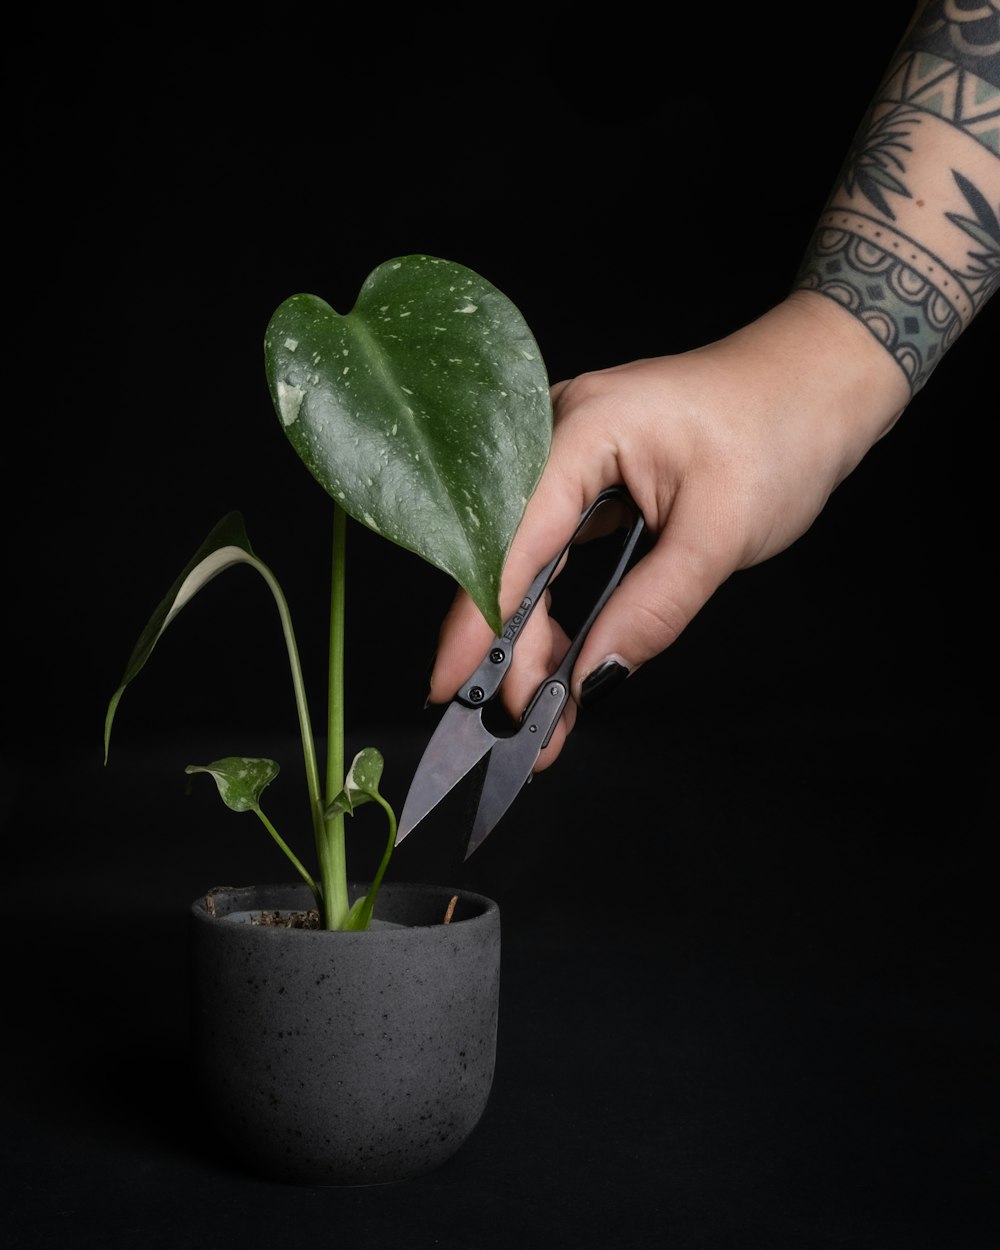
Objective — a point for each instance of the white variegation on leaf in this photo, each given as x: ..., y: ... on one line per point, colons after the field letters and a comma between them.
x: 241, y: 780
x: 360, y: 784
x: 424, y: 412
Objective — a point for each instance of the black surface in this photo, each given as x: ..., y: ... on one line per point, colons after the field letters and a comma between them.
x: 749, y: 987
x: 760, y: 1010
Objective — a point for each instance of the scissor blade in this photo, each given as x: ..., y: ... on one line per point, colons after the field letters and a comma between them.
x: 456, y: 746
x: 505, y: 779
x: 513, y: 759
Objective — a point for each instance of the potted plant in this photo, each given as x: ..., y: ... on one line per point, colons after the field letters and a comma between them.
x: 346, y: 1031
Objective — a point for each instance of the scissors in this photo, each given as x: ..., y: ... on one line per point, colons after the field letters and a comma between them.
x: 462, y: 741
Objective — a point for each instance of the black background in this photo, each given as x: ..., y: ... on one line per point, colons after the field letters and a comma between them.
x: 749, y: 957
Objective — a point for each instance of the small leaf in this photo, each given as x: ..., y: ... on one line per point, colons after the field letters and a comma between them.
x: 226, y: 545
x: 358, y: 917
x: 240, y: 780
x: 361, y: 783
x: 424, y: 412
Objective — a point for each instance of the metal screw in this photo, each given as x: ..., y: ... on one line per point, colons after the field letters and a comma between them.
x: 498, y: 656
x: 476, y: 694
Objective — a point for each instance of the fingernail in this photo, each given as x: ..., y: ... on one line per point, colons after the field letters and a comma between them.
x: 605, y: 678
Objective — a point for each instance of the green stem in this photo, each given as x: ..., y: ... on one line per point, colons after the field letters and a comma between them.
x: 299, y: 867
x: 317, y: 806
x: 333, y: 855
x: 369, y: 903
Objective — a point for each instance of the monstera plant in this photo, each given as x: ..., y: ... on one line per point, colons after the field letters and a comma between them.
x: 424, y: 413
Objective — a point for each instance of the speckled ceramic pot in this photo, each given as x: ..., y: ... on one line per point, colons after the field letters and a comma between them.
x: 345, y: 1058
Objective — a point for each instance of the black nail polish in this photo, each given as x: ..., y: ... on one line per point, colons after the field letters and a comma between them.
x: 605, y: 678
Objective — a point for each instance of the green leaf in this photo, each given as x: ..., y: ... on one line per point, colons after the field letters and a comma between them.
x: 240, y: 780
x: 359, y: 917
x: 226, y: 545
x: 424, y: 412
x: 361, y: 786
x: 361, y: 783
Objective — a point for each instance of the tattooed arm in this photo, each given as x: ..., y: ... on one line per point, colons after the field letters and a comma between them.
x: 910, y: 241
x: 732, y: 450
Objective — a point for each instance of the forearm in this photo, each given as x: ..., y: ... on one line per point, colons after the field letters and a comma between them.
x: 909, y: 243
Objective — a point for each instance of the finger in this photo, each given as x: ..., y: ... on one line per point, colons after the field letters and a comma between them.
x: 572, y: 478
x: 564, y: 726
x: 540, y: 650
x: 549, y: 754
x: 648, y: 611
x: 580, y: 465
x: 463, y: 639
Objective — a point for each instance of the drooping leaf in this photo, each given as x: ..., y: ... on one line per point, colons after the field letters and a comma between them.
x: 241, y: 780
x: 227, y: 544
x: 424, y: 412
x: 360, y: 784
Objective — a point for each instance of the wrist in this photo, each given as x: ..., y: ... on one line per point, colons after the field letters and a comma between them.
x: 847, y: 378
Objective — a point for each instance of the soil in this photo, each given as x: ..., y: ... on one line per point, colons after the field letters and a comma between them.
x: 311, y: 920
x: 275, y: 919
x: 288, y: 919
x: 301, y: 919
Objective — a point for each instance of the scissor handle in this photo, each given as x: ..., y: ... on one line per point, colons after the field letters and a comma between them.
x: 485, y: 681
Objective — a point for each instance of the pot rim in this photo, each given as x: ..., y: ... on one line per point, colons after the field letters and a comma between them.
x: 487, y: 909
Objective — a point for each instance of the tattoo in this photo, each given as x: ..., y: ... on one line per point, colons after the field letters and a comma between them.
x: 867, y: 252
x: 982, y: 273
x: 874, y: 163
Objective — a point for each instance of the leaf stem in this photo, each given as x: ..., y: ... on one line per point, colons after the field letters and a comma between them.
x: 333, y: 852
x: 316, y: 803
x: 299, y: 867
x: 368, y: 906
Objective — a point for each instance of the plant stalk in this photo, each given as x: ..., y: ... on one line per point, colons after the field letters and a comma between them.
x: 305, y: 723
x: 299, y: 867
x: 333, y: 852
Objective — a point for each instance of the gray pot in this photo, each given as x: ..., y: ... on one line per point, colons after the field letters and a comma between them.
x: 345, y: 1058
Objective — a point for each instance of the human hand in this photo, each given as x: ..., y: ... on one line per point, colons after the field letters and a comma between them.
x: 730, y: 452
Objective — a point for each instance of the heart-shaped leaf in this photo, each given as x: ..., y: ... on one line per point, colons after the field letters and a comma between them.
x: 424, y: 412
x: 240, y: 780
x: 360, y: 784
